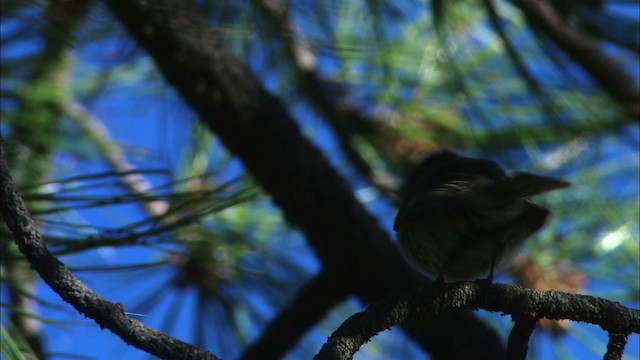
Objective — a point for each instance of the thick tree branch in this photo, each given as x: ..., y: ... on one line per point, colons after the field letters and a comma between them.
x: 107, y: 314
x: 515, y: 300
x: 257, y: 128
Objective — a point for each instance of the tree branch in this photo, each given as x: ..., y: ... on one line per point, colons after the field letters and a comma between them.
x: 517, y: 60
x: 32, y: 127
x: 423, y: 303
x: 585, y: 52
x: 518, y: 344
x: 107, y: 314
x: 615, y: 347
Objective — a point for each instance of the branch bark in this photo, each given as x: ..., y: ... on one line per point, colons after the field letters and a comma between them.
x: 423, y: 303
x: 106, y: 314
x: 615, y: 347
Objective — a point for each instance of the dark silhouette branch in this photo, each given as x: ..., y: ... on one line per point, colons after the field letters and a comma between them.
x: 584, y: 52
x: 106, y: 314
x: 437, y: 343
x: 517, y: 60
x: 518, y: 344
x: 615, y: 347
x: 520, y: 302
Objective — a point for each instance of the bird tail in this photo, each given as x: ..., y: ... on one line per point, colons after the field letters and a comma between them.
x: 526, y: 185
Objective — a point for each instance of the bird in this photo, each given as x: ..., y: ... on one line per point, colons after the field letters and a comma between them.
x: 461, y: 217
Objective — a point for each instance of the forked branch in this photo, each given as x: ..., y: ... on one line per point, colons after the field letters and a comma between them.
x: 520, y: 302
